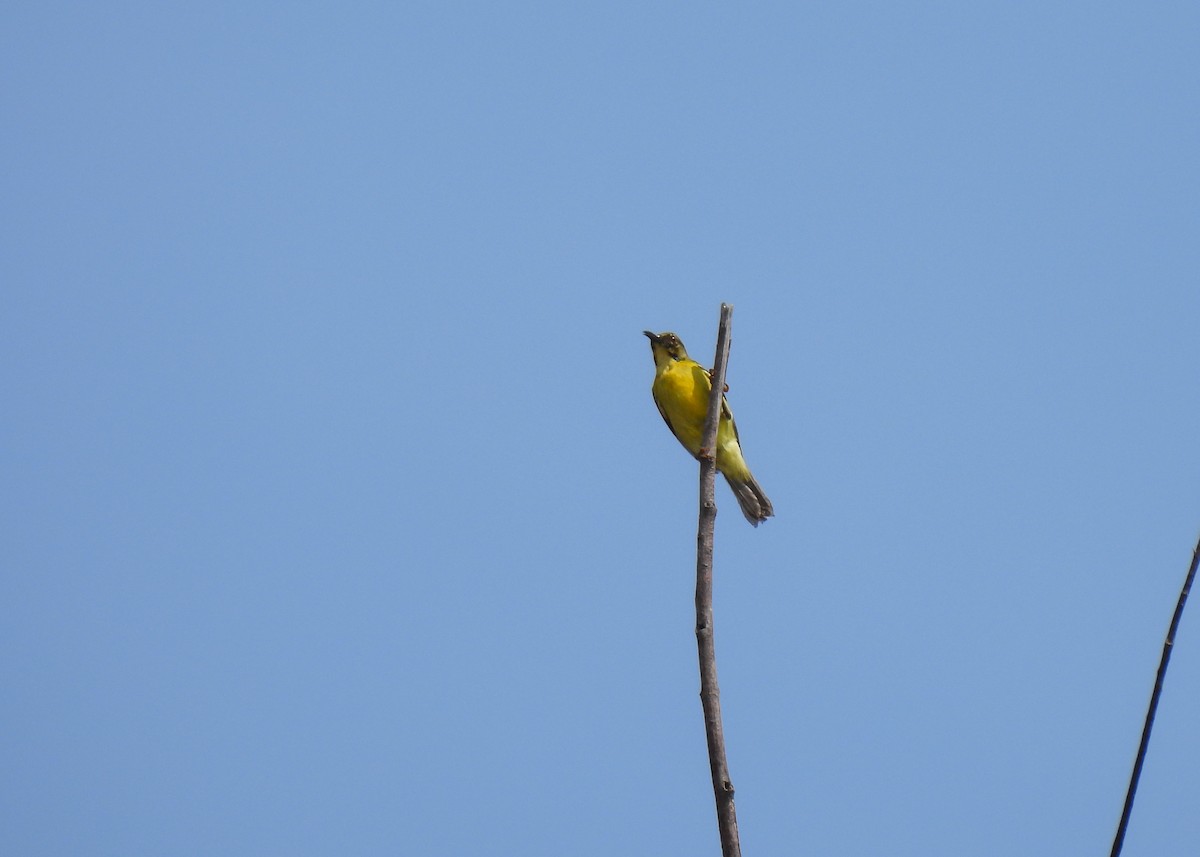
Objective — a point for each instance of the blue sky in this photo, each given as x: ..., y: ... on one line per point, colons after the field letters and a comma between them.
x: 337, y: 516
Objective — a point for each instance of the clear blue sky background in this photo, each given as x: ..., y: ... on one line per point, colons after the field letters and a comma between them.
x: 337, y: 518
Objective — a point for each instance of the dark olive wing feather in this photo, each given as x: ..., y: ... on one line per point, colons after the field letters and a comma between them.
x: 728, y: 414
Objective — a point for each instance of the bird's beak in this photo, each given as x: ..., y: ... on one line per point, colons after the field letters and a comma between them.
x: 653, y: 336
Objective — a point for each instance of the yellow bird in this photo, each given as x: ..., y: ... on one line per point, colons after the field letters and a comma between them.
x: 681, y: 389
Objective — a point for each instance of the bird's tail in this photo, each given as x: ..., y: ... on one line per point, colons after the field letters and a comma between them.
x: 755, y: 505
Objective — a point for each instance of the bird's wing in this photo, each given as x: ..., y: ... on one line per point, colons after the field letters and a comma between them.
x: 728, y: 414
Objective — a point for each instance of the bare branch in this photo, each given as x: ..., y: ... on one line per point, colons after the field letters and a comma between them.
x: 1119, y: 840
x: 710, y: 693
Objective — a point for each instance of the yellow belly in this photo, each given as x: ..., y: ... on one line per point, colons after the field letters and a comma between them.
x: 681, y: 390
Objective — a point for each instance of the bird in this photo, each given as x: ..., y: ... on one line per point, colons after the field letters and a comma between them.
x: 681, y: 389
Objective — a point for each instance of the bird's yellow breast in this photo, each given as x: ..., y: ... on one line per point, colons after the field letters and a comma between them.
x: 681, y: 391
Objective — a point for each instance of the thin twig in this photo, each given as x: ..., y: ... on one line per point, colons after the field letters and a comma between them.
x: 710, y: 693
x: 1119, y: 840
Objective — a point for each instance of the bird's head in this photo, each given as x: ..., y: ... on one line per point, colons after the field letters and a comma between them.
x: 666, y: 346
